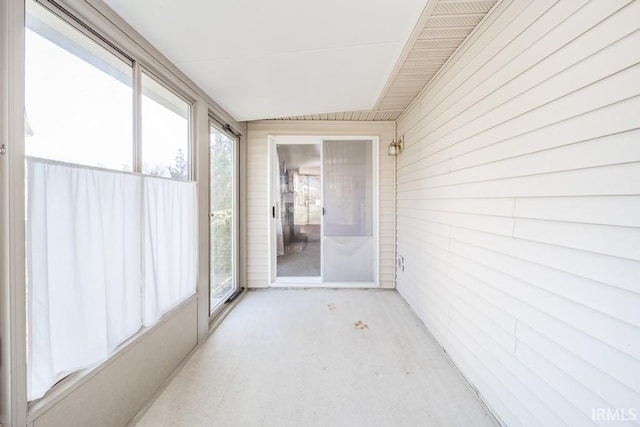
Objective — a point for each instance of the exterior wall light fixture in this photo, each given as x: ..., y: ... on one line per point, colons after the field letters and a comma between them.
x: 396, y: 147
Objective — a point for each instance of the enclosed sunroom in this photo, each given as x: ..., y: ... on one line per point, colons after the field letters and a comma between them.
x: 292, y: 213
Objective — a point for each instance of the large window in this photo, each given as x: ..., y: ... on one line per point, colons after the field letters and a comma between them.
x: 111, y: 242
x: 80, y: 104
x: 78, y: 96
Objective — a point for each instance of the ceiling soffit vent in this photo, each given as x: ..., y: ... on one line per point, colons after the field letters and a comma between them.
x: 443, y: 26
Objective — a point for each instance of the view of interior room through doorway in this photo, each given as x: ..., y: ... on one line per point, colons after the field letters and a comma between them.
x: 299, y: 215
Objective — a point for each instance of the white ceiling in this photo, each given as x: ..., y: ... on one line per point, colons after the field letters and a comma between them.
x: 272, y: 58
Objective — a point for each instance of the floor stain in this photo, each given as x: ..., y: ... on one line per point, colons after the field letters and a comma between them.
x: 360, y: 325
x: 331, y: 307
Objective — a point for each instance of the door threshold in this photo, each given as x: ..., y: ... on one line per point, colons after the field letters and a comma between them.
x: 299, y: 281
x: 293, y: 282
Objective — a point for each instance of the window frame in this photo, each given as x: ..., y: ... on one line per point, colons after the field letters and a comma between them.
x: 161, y: 74
x: 138, y: 71
x: 139, y: 67
x: 235, y: 206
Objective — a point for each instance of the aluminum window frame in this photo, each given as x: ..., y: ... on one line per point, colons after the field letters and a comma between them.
x: 21, y: 409
x: 235, y: 197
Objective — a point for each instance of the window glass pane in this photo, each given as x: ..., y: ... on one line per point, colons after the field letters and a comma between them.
x: 78, y: 96
x: 221, y: 149
x: 165, y: 131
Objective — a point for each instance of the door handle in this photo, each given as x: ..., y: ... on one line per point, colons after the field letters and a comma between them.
x: 323, y: 211
x: 273, y: 212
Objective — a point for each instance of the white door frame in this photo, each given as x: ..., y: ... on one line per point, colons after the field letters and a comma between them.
x: 272, y: 200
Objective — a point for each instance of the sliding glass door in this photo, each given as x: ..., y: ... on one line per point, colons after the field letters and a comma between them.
x: 323, y: 213
x: 222, y: 216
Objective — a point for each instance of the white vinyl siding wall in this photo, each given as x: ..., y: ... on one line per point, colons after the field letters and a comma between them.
x: 257, y: 269
x: 519, y: 209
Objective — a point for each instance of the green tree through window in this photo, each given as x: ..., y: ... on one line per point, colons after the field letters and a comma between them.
x: 221, y: 215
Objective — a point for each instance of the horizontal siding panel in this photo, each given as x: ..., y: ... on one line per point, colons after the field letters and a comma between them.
x: 623, y: 242
x: 417, y: 224
x: 599, y: 181
x: 543, y: 86
x: 526, y: 296
x: 488, y: 223
x: 614, y: 393
x: 436, y: 237
x: 430, y: 168
x: 567, y: 394
x: 502, y: 324
x: 614, y: 302
x: 499, y: 207
x: 502, y: 364
x: 608, y: 120
x: 623, y: 211
x: 604, y: 151
x: 584, y: 264
x: 623, y: 367
x: 506, y: 405
x: 618, y: 87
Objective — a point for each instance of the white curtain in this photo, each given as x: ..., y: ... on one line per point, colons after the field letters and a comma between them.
x: 84, y: 270
x: 170, y: 245
x: 97, y: 241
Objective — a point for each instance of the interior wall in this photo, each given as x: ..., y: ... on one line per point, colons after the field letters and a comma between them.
x: 257, y: 268
x: 519, y: 210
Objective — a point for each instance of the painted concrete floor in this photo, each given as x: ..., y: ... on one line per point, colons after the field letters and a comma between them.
x: 319, y: 358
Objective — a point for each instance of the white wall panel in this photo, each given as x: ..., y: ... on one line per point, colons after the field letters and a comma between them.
x: 257, y: 191
x: 519, y: 209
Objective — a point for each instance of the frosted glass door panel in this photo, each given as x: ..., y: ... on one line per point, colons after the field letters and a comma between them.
x: 348, y: 241
x: 348, y: 259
